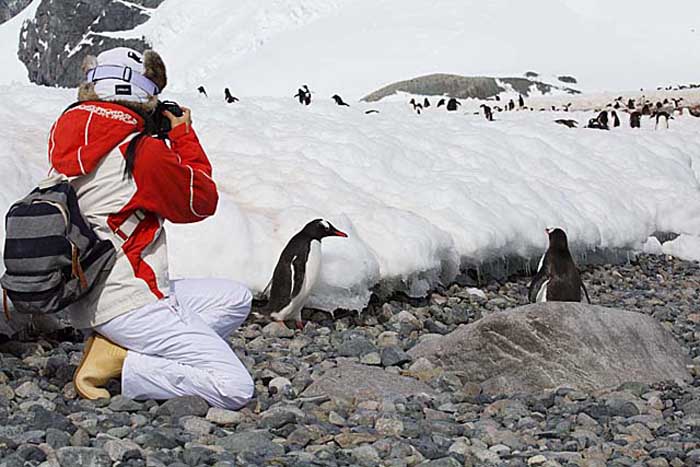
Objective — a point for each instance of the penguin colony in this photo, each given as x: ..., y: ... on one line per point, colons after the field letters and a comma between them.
x: 557, y: 277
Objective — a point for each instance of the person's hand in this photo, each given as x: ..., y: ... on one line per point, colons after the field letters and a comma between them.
x: 176, y: 121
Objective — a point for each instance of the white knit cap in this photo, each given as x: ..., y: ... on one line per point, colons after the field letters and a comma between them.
x: 115, y: 89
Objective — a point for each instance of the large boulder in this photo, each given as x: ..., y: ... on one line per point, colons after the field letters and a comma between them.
x: 542, y: 346
x: 362, y: 382
x: 52, y: 45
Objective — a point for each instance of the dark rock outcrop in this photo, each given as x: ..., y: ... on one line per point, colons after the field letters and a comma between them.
x: 53, y: 43
x: 11, y: 8
x: 542, y: 346
x: 462, y: 87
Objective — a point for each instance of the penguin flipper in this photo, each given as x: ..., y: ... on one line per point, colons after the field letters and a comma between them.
x: 280, y: 295
x: 585, y: 291
x: 538, y: 280
x: 536, y: 286
x: 298, y: 275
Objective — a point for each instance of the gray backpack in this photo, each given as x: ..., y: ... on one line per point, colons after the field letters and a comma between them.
x: 52, y: 256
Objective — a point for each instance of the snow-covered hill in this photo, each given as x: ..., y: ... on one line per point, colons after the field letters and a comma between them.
x: 419, y: 195
x: 353, y: 47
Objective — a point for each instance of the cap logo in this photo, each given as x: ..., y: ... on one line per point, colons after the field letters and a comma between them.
x: 122, y: 89
x: 134, y: 56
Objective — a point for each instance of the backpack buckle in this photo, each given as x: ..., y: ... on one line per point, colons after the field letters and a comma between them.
x: 127, y: 228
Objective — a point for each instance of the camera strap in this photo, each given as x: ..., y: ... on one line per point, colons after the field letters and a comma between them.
x: 123, y: 73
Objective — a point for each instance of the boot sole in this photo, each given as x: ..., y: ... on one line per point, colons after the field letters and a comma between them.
x: 86, y: 351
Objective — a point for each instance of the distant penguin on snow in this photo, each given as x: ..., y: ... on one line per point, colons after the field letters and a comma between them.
x: 557, y: 278
x: 229, y: 97
x: 339, y: 100
x: 297, y: 271
x: 202, y: 91
x: 452, y: 104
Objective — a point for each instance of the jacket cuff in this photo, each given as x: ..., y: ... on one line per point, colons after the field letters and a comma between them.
x: 179, y: 131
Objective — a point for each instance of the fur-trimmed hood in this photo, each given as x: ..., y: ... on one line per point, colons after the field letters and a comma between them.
x: 149, y: 64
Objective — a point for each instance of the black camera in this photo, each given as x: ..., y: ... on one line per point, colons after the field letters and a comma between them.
x: 161, y: 124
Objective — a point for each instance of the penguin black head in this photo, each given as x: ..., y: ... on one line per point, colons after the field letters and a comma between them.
x: 318, y: 229
x: 557, y: 239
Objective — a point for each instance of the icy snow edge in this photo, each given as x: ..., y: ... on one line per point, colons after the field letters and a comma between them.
x: 420, y: 196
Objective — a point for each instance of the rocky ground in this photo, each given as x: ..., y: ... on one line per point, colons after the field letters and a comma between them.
x: 42, y: 422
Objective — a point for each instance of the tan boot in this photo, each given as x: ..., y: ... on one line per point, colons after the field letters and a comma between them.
x: 102, y: 361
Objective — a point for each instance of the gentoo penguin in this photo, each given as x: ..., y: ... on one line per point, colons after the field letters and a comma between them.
x: 567, y: 122
x: 339, y: 100
x: 635, y: 119
x: 603, y: 118
x: 488, y: 114
x: 661, y: 115
x: 557, y: 278
x: 307, y: 95
x: 452, y: 104
x: 202, y: 91
x: 521, y: 101
x: 304, y: 95
x: 440, y: 103
x: 615, y: 119
x: 426, y: 103
x: 511, y: 105
x: 297, y: 271
x: 229, y: 98
x: 416, y: 106
x: 371, y: 111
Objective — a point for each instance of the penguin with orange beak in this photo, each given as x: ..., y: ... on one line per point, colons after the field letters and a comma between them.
x: 557, y: 278
x: 298, y: 271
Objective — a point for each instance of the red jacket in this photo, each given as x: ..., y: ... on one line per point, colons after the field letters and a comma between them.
x: 172, y: 182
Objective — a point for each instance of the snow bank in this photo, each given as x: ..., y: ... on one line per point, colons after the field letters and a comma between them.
x: 419, y: 195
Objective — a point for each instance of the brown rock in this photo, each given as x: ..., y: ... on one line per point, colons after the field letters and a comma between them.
x: 543, y: 346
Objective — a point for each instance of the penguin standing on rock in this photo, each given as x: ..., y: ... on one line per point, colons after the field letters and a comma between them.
x: 557, y: 278
x: 298, y: 270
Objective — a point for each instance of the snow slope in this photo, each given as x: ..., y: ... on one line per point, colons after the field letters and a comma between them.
x: 417, y: 194
x: 269, y: 47
x: 14, y: 71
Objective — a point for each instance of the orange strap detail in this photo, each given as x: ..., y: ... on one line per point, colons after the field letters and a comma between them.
x: 78, y: 269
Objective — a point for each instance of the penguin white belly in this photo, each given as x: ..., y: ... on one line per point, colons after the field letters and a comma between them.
x: 312, y: 271
x: 542, y: 293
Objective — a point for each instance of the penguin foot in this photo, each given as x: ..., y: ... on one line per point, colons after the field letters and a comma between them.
x: 299, y: 324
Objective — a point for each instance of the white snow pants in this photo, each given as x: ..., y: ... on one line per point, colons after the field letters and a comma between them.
x: 177, y: 346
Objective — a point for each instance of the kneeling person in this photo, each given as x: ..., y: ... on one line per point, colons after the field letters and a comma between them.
x: 165, y: 338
